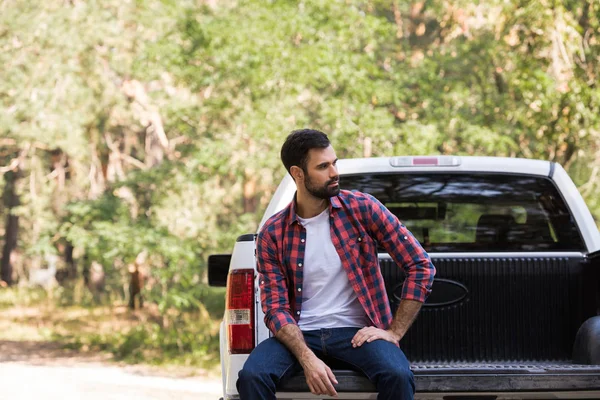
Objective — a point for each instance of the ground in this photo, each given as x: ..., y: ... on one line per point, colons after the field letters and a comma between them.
x: 37, y: 370
x: 33, y: 366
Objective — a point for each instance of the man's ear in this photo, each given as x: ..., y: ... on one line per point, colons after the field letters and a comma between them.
x: 297, y: 173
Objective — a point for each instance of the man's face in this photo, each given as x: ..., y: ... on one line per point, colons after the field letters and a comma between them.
x: 321, y: 178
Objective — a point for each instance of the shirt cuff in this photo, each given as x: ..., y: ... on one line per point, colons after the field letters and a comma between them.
x: 278, y: 319
x: 415, y: 292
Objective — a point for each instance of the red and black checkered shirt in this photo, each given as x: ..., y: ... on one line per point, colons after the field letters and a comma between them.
x: 357, y: 220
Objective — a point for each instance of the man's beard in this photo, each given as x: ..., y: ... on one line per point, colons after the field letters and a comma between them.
x: 323, y: 192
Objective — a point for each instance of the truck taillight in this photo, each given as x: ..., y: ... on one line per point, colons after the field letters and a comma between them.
x: 240, y: 310
x: 430, y: 161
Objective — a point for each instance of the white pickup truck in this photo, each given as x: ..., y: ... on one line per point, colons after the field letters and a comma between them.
x: 515, y: 307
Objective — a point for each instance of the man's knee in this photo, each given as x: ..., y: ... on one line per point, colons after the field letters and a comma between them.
x: 400, y: 378
x: 251, y: 377
x: 249, y: 374
x: 402, y: 375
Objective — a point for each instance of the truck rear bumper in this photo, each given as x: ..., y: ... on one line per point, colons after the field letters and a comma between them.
x: 455, y: 395
x: 540, y: 380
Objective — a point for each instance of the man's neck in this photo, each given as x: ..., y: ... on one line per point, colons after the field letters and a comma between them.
x: 308, y: 206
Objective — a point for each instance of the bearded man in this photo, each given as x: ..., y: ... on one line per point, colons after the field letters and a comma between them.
x: 322, y: 291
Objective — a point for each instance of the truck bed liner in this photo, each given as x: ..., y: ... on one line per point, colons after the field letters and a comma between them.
x: 519, y: 315
x: 506, y: 308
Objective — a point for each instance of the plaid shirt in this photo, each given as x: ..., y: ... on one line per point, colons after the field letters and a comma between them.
x: 356, y: 220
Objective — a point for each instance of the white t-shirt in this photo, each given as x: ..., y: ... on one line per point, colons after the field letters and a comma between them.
x: 328, y: 300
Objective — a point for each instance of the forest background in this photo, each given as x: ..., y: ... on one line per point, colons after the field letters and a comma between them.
x: 139, y: 136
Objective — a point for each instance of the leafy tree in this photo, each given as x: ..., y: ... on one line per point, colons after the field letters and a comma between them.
x: 155, y: 126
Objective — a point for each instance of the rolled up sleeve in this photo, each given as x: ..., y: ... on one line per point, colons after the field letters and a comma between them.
x: 273, y: 284
x: 404, y: 249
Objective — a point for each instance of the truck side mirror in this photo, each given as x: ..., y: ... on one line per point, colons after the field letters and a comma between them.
x: 218, y: 267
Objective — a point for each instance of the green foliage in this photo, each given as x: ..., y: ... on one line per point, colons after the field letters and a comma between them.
x: 187, y: 343
x: 22, y: 297
x: 154, y: 126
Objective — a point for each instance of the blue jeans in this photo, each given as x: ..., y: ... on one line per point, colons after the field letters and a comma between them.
x: 382, y: 362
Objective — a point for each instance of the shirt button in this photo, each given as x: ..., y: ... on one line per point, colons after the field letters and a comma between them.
x: 302, y: 240
x: 299, y: 289
x: 360, y: 239
x: 405, y: 237
x: 300, y: 264
x: 297, y: 312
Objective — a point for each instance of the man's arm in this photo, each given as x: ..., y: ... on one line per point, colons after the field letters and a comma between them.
x: 278, y: 317
x: 273, y: 284
x: 405, y: 315
x: 406, y: 251
x: 319, y: 377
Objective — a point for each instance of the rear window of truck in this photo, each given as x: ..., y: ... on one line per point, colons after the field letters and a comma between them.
x: 475, y: 212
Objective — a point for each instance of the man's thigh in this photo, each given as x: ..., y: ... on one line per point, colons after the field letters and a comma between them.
x: 374, y: 358
x: 272, y: 358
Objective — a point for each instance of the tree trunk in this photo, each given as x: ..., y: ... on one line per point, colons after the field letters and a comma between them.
x: 70, y: 261
x: 584, y: 19
x: 97, y: 174
x: 250, y: 202
x: 154, y: 149
x: 11, y: 200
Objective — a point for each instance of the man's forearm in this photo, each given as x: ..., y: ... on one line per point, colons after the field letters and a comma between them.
x: 291, y: 336
x: 319, y: 377
x: 405, y: 315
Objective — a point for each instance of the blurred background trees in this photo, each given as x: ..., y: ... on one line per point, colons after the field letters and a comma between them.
x: 150, y: 129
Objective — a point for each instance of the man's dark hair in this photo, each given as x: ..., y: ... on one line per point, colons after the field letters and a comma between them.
x: 295, y: 149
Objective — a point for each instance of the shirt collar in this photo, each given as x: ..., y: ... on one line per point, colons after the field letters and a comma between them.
x: 334, y: 202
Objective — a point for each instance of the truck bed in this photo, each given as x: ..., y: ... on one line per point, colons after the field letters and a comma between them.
x: 499, y: 308
x: 498, y: 323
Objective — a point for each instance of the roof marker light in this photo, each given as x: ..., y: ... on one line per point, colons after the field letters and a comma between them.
x: 433, y: 161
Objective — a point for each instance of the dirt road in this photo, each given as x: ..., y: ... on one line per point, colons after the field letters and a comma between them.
x: 31, y: 370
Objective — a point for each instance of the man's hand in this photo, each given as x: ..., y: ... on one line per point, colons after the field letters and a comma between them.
x: 319, y: 377
x: 371, y: 333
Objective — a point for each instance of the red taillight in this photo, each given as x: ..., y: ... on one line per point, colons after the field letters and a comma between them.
x: 240, y: 311
x: 425, y: 161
